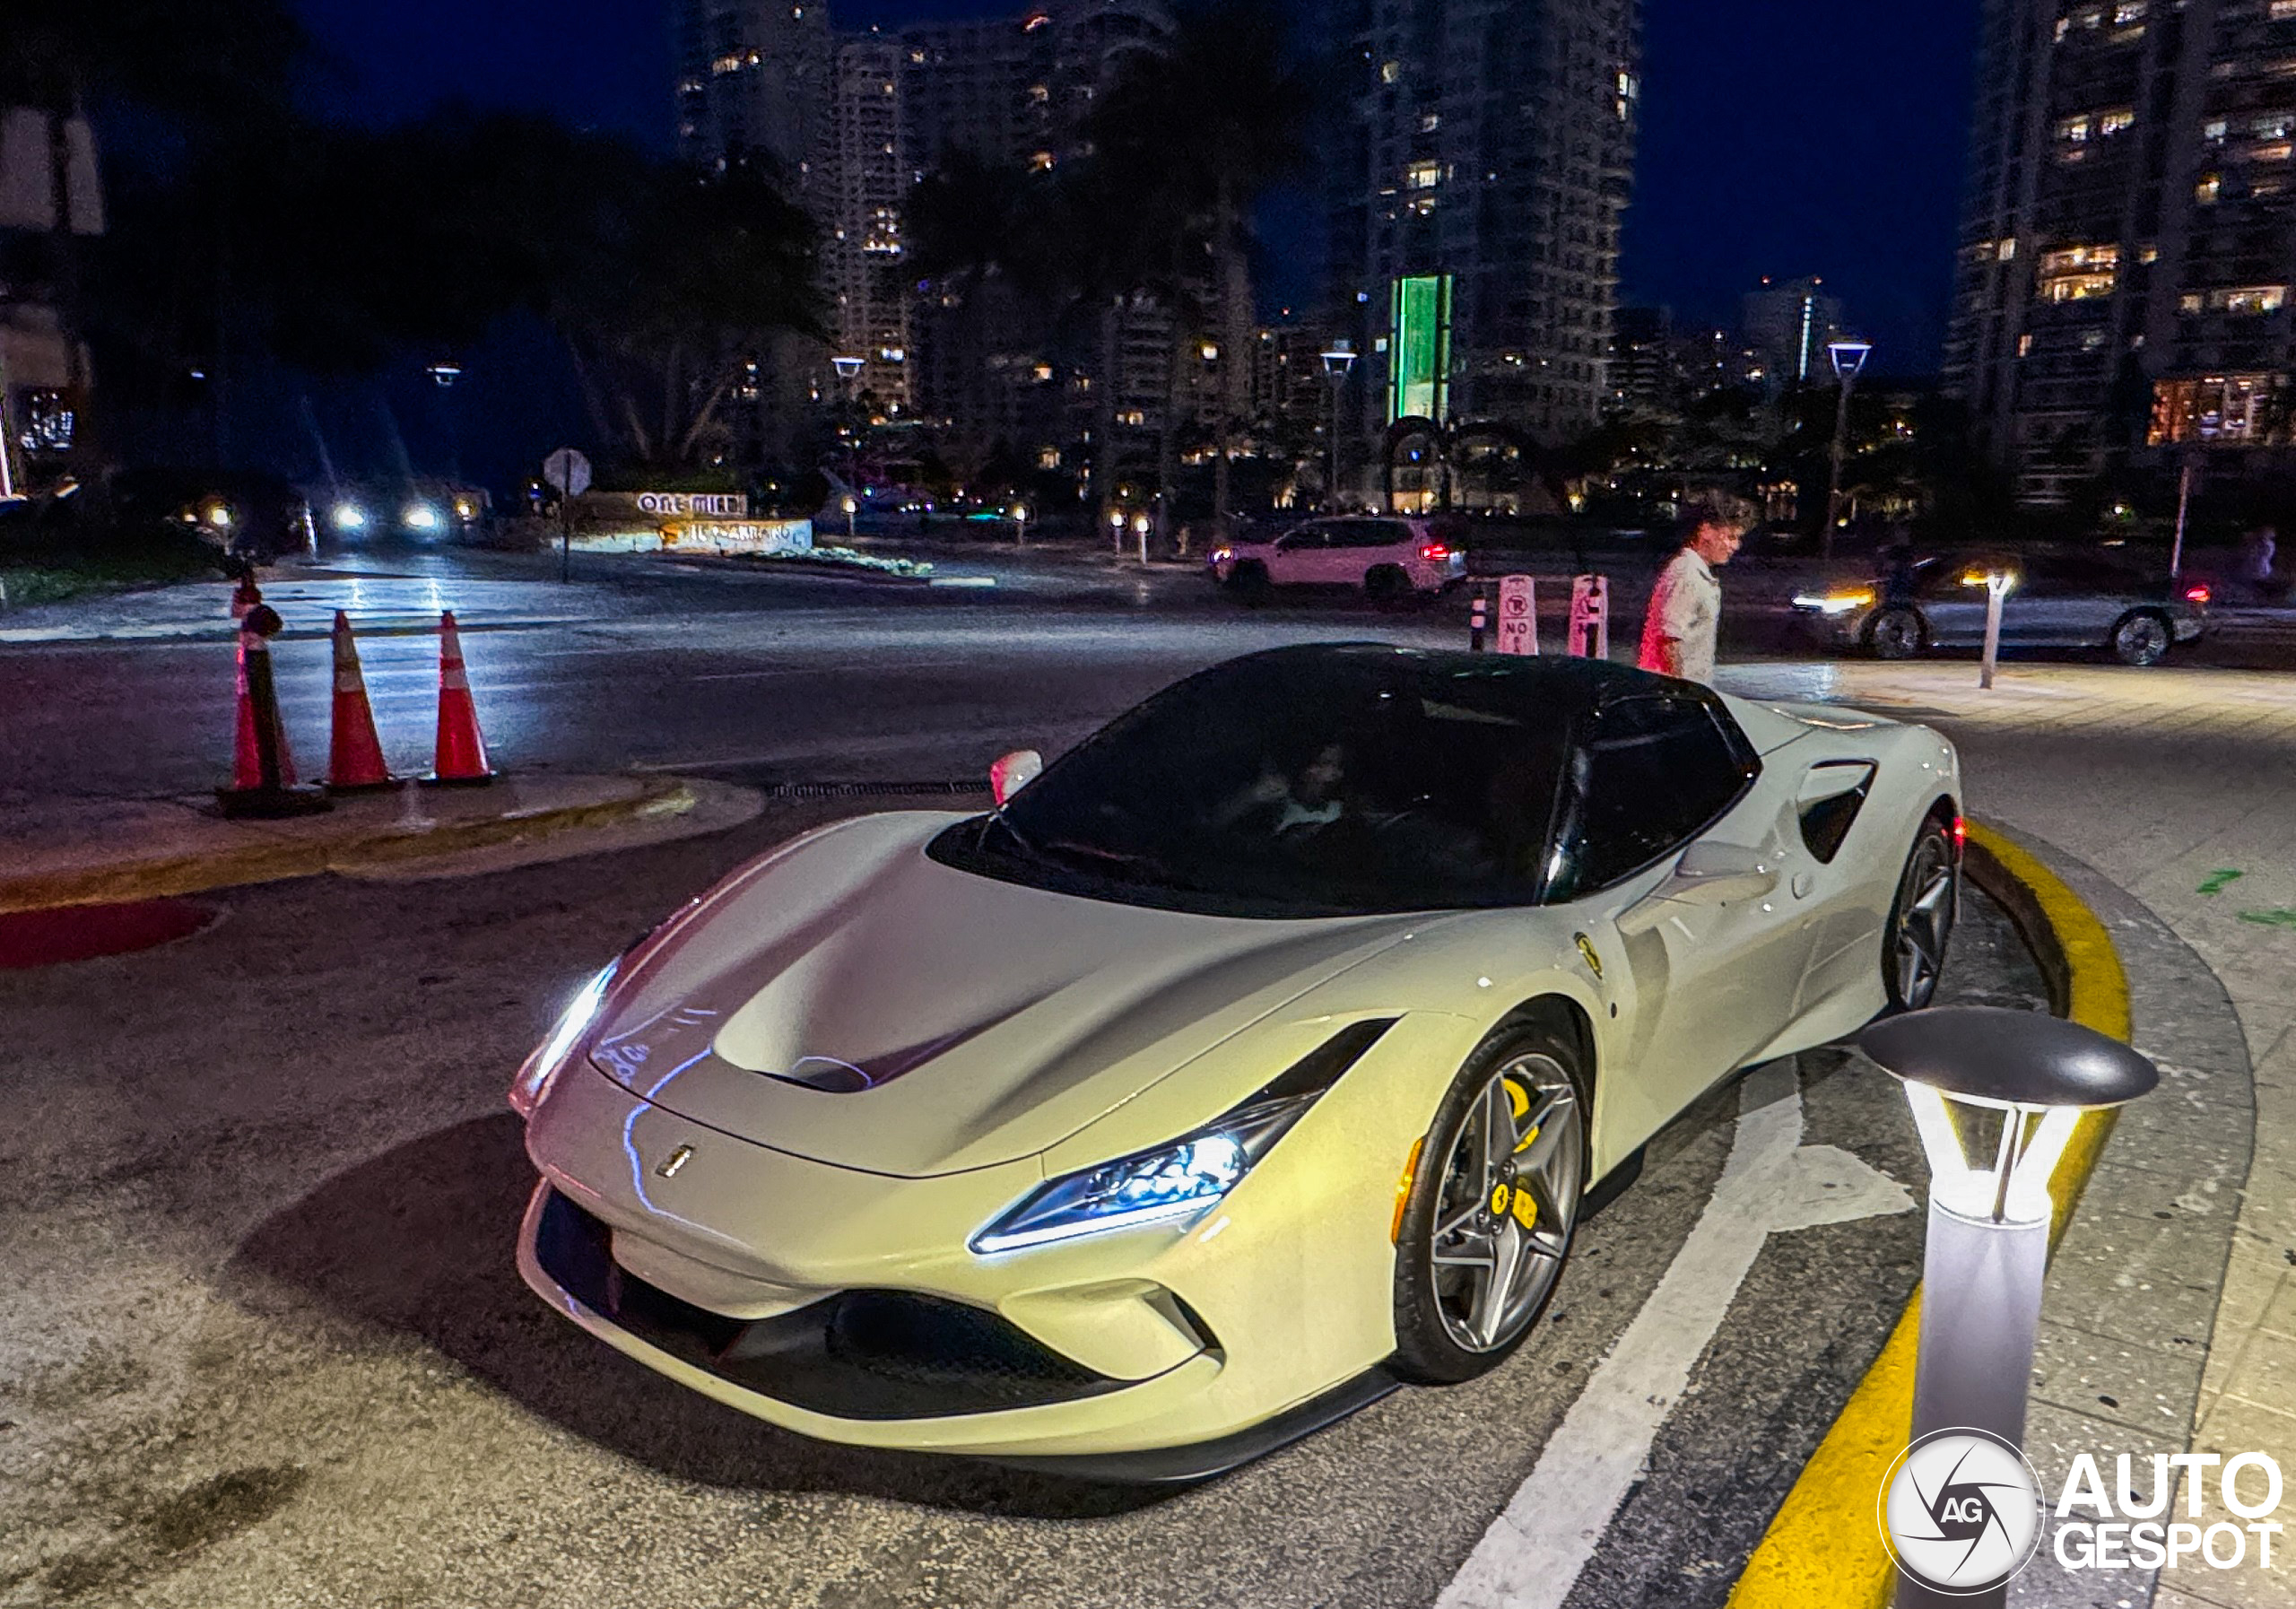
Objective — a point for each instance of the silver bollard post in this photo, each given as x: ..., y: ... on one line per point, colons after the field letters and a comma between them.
x: 2019, y: 1082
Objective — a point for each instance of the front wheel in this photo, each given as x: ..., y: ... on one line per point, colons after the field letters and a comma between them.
x: 1493, y: 1204
x: 2142, y: 638
x: 1921, y: 921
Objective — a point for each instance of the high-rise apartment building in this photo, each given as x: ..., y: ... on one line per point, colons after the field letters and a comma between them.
x: 1474, y: 192
x: 864, y: 183
x: 1787, y: 326
x: 2130, y: 236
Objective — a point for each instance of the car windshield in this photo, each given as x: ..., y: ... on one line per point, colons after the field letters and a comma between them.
x: 1338, y: 785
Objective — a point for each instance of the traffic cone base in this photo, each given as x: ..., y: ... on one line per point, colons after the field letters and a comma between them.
x: 355, y: 762
x: 460, y: 758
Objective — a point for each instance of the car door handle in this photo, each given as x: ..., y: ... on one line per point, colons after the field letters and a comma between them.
x: 1803, y: 882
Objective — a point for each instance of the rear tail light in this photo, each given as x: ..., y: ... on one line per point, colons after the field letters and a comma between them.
x: 1960, y: 834
x: 2197, y: 594
x: 1435, y: 550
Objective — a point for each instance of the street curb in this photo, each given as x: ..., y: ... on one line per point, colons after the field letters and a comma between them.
x: 1824, y: 1548
x: 282, y: 859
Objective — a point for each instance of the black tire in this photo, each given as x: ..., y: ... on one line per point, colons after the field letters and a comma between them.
x: 1438, y: 1306
x: 2143, y: 636
x: 1386, y: 584
x: 1248, y: 581
x: 1897, y: 632
x: 1920, y: 928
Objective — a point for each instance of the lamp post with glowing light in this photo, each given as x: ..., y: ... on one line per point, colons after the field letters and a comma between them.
x: 848, y: 374
x: 1115, y: 527
x: 1020, y: 524
x: 1848, y: 361
x: 2017, y: 1085
x: 1337, y: 362
x: 1140, y: 522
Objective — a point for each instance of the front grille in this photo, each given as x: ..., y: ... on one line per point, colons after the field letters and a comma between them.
x: 859, y: 1354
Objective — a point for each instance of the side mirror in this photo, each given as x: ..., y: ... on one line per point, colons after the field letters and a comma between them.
x: 1012, y: 773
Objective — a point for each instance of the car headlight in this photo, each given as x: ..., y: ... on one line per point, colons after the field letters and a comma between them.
x: 1184, y: 1179
x: 422, y: 516
x: 1836, y: 603
x: 219, y: 515
x: 350, y: 516
x: 549, y: 1057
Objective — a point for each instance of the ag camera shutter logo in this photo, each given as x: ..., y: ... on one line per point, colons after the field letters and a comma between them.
x: 1961, y: 1511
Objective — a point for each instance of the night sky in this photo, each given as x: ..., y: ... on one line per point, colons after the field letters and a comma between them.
x: 1779, y: 136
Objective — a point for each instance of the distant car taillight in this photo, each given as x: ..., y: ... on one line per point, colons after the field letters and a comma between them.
x: 1960, y: 835
x: 1435, y: 550
x: 2197, y: 594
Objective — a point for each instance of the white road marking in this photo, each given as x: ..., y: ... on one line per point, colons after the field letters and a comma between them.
x: 1534, y: 1552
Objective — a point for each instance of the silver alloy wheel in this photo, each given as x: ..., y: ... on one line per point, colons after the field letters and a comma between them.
x: 1510, y: 1200
x: 1924, y: 922
x: 2142, y: 639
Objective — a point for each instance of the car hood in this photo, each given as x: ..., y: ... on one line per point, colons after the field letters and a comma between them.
x: 852, y: 1000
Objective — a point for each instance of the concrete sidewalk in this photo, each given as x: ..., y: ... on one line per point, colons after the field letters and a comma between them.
x: 2179, y: 788
x: 85, y: 852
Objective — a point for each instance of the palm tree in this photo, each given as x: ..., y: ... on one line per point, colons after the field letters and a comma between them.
x: 1190, y: 138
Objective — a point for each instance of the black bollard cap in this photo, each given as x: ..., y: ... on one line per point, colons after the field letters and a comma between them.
x: 2002, y: 1057
x: 262, y: 620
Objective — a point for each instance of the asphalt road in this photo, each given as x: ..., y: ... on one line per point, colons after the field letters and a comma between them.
x: 262, y: 1343
x: 770, y: 677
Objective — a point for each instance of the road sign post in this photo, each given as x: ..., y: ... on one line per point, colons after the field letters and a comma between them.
x: 1518, y: 615
x: 1591, y: 617
x: 570, y: 473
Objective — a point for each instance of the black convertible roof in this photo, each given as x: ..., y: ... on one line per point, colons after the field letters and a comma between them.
x: 1553, y: 684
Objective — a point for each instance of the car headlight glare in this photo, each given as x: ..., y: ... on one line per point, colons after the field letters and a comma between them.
x: 350, y: 516
x: 422, y: 516
x: 1835, y: 603
x: 551, y: 1056
x: 1178, y: 1182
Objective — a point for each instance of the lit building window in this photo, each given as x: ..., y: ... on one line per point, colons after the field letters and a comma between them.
x: 1041, y: 163
x: 2250, y: 298
x: 2282, y: 10
x: 1132, y: 416
x: 2215, y: 130
x: 2024, y: 346
x: 2278, y: 150
x: 2191, y: 301
x: 2228, y: 408
x: 2127, y: 11
x: 1423, y: 176
x: 2079, y: 273
x: 2113, y: 121
x: 1391, y: 71
x: 2008, y: 253
x: 2148, y: 253
x: 2206, y: 191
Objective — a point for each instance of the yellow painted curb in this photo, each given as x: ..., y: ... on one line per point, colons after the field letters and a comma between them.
x: 1822, y: 1550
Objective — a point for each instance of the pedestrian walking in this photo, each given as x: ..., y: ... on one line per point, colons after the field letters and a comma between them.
x: 1684, y: 619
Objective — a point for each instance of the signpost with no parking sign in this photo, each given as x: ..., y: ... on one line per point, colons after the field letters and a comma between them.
x: 1519, y: 616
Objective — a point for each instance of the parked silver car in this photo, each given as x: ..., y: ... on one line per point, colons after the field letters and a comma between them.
x: 2056, y: 600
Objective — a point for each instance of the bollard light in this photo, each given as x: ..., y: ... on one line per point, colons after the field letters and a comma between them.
x: 1997, y: 1095
x: 1140, y: 529
x: 1998, y: 581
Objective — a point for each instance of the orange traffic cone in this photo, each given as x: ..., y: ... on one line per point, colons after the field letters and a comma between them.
x: 247, y: 595
x: 355, y: 756
x: 461, y: 753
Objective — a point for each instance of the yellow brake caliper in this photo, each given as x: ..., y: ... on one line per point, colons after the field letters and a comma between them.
x: 1518, y: 1200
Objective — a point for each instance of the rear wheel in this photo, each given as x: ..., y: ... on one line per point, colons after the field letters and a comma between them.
x: 1248, y: 581
x: 2143, y: 638
x: 1921, y: 920
x: 1896, y: 633
x: 1386, y: 583
x: 1492, y: 1206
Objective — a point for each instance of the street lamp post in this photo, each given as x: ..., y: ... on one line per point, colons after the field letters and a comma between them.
x: 1020, y: 524
x: 2021, y: 1082
x: 1337, y: 362
x: 1848, y: 361
x: 848, y: 374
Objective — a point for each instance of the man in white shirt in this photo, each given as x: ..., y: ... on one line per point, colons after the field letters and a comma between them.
x: 1685, y: 615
